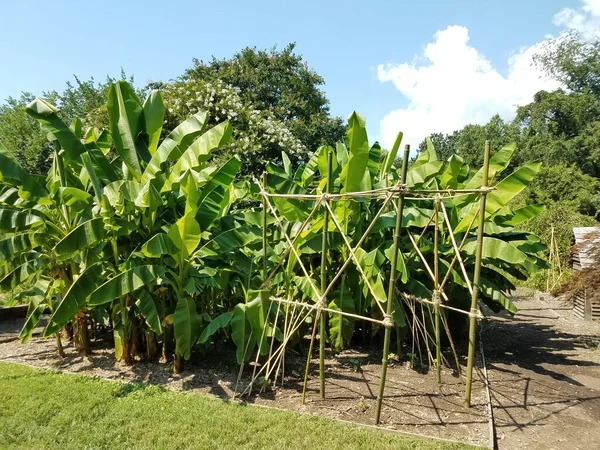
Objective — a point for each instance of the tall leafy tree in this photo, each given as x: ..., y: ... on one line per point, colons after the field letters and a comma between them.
x: 280, y: 82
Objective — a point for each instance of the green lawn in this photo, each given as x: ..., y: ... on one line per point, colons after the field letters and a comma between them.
x: 42, y: 409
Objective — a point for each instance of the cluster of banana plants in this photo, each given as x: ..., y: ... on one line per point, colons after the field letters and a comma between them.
x: 358, y: 167
x: 127, y: 230
x: 135, y: 230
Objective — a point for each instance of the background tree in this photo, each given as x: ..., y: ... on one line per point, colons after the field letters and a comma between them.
x: 279, y: 82
x: 24, y: 136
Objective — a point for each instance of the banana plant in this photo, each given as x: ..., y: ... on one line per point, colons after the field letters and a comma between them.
x: 155, y: 221
x: 35, y: 215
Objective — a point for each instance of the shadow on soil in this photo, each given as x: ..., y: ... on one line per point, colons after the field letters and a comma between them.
x: 534, y: 366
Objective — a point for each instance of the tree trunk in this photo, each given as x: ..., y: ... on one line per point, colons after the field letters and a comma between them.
x: 152, y: 347
x: 178, y: 364
x: 168, y: 343
x: 61, y: 351
x: 83, y: 338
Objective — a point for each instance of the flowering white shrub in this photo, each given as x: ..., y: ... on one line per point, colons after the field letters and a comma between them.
x: 258, y: 136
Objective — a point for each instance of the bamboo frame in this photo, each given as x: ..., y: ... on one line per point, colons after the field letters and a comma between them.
x: 297, y: 312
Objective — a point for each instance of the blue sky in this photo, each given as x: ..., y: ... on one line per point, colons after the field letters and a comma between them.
x: 43, y: 43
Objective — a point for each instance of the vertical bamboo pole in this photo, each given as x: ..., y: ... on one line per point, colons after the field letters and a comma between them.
x: 392, y: 283
x: 322, y: 331
x: 478, y: 251
x: 264, y: 228
x: 436, y: 292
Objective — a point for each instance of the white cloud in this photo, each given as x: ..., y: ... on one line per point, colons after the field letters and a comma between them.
x: 452, y: 84
x: 585, y: 20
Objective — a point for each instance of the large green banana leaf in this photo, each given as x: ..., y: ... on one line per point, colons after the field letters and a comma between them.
x: 125, y: 283
x: 75, y: 298
x: 187, y: 324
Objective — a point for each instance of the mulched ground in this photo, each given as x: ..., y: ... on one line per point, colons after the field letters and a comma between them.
x: 414, y: 402
x: 544, y: 372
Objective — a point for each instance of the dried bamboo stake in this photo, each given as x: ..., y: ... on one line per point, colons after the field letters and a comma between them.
x: 392, y: 283
x: 476, y: 276
x: 308, y: 357
x: 264, y: 226
x: 323, y: 300
x: 436, y: 292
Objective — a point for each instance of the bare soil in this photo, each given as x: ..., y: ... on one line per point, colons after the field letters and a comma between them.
x: 413, y: 401
x: 544, y: 374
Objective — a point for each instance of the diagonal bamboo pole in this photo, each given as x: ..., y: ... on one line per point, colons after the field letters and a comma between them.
x: 392, y: 283
x: 354, y: 258
x: 323, y: 300
x: 478, y: 253
x: 288, y: 250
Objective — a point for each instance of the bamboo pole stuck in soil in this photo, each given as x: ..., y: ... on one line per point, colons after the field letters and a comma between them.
x: 478, y: 253
x: 322, y: 330
x: 392, y: 283
x: 436, y: 286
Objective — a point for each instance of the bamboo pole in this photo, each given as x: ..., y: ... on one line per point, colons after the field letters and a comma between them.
x: 392, y: 283
x: 478, y: 252
x: 264, y: 227
x: 436, y: 292
x: 322, y: 330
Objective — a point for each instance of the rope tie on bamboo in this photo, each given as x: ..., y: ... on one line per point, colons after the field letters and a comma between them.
x: 388, y: 321
x: 474, y: 313
x: 322, y: 302
x: 436, y: 297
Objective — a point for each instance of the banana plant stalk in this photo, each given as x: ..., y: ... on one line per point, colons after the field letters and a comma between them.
x: 476, y: 277
x: 392, y: 283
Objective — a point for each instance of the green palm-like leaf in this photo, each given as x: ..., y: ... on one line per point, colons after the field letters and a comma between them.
x: 34, y: 314
x: 187, y: 324
x: 147, y: 306
x: 76, y: 298
x: 16, y: 220
x: 354, y: 175
x: 14, y: 245
x: 494, y: 248
x: 240, y: 333
x: 341, y: 328
x: 215, y: 325
x: 199, y: 151
x: 126, y: 120
x: 83, y: 236
x: 185, y: 234
x: 13, y: 174
x: 177, y: 142
x: 154, y: 115
x: 125, y: 283
x: 391, y: 156
x: 47, y: 116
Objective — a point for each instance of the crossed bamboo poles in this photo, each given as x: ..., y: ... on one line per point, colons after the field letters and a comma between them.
x: 298, y: 311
